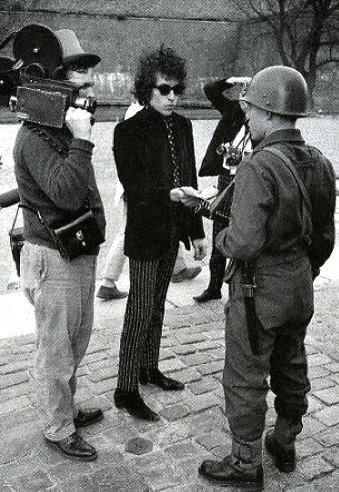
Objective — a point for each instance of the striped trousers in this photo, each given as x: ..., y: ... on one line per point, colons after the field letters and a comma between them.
x: 142, y: 330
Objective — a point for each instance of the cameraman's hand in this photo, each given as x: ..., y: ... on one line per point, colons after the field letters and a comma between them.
x: 79, y: 123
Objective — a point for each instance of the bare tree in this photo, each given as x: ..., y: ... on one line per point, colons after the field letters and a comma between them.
x: 306, y: 32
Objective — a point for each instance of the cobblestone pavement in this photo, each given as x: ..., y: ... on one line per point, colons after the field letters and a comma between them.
x: 138, y: 456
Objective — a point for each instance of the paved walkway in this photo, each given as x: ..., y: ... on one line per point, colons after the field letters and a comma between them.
x: 137, y: 456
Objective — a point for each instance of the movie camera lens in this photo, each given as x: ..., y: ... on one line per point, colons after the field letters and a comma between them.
x: 87, y: 103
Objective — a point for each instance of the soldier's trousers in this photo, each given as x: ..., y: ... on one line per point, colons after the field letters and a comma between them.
x: 217, y: 261
x: 281, y: 356
x: 142, y: 330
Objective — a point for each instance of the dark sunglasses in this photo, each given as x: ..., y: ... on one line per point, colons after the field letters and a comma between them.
x: 165, y: 89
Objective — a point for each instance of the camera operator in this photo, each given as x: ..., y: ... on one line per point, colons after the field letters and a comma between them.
x: 56, y: 181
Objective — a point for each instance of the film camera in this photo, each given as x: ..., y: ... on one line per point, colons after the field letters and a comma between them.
x: 232, y: 156
x: 46, y: 101
x: 30, y: 82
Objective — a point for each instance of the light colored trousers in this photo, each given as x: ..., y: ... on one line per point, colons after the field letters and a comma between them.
x: 116, y: 258
x: 62, y: 293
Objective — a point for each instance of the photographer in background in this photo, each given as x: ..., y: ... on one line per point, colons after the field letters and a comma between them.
x: 56, y: 180
x: 229, y: 134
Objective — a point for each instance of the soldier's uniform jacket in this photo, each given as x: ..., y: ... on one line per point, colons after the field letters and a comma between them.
x: 266, y: 224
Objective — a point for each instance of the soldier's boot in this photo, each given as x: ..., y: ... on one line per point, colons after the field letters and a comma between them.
x: 242, y: 468
x: 280, y: 443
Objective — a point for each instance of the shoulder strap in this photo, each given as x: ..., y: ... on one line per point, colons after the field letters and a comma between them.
x: 307, y: 224
x: 292, y: 169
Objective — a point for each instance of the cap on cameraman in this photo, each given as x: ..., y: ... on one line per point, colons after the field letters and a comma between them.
x: 72, y: 52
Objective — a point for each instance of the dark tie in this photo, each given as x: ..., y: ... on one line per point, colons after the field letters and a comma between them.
x: 169, y: 122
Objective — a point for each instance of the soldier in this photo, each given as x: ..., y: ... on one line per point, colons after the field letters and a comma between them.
x: 281, y: 232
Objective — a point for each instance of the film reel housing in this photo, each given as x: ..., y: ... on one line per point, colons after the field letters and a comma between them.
x: 29, y: 81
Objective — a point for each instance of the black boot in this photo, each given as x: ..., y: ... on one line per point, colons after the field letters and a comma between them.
x: 226, y: 473
x: 135, y: 405
x: 88, y: 417
x: 208, y: 295
x: 154, y: 376
x: 284, y: 458
x: 75, y: 447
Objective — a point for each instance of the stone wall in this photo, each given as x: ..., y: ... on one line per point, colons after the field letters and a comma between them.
x: 119, y: 31
x: 201, y: 31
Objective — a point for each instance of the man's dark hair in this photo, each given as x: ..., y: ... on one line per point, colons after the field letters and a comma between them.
x: 162, y: 61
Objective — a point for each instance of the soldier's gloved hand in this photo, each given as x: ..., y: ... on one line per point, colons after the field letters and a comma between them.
x: 208, y: 193
x: 79, y: 123
x: 176, y: 194
x: 187, y: 195
x: 199, y: 249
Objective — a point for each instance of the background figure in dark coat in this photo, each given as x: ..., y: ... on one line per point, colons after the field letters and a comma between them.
x: 154, y: 155
x: 223, y: 94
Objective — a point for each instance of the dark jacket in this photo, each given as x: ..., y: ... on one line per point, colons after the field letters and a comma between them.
x: 55, y: 176
x: 227, y: 128
x: 267, y: 221
x: 144, y: 164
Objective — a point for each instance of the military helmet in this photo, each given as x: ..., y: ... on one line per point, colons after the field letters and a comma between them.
x: 278, y: 89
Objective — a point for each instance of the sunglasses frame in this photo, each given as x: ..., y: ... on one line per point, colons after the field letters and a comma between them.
x: 165, y: 89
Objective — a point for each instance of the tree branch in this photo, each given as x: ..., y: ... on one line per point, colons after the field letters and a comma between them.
x: 326, y: 62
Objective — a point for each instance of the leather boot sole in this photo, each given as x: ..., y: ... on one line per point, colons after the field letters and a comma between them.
x: 89, y: 418
x: 55, y: 446
x: 250, y: 486
x: 207, y: 296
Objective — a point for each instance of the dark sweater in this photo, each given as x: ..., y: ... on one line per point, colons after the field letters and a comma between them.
x: 55, y: 176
